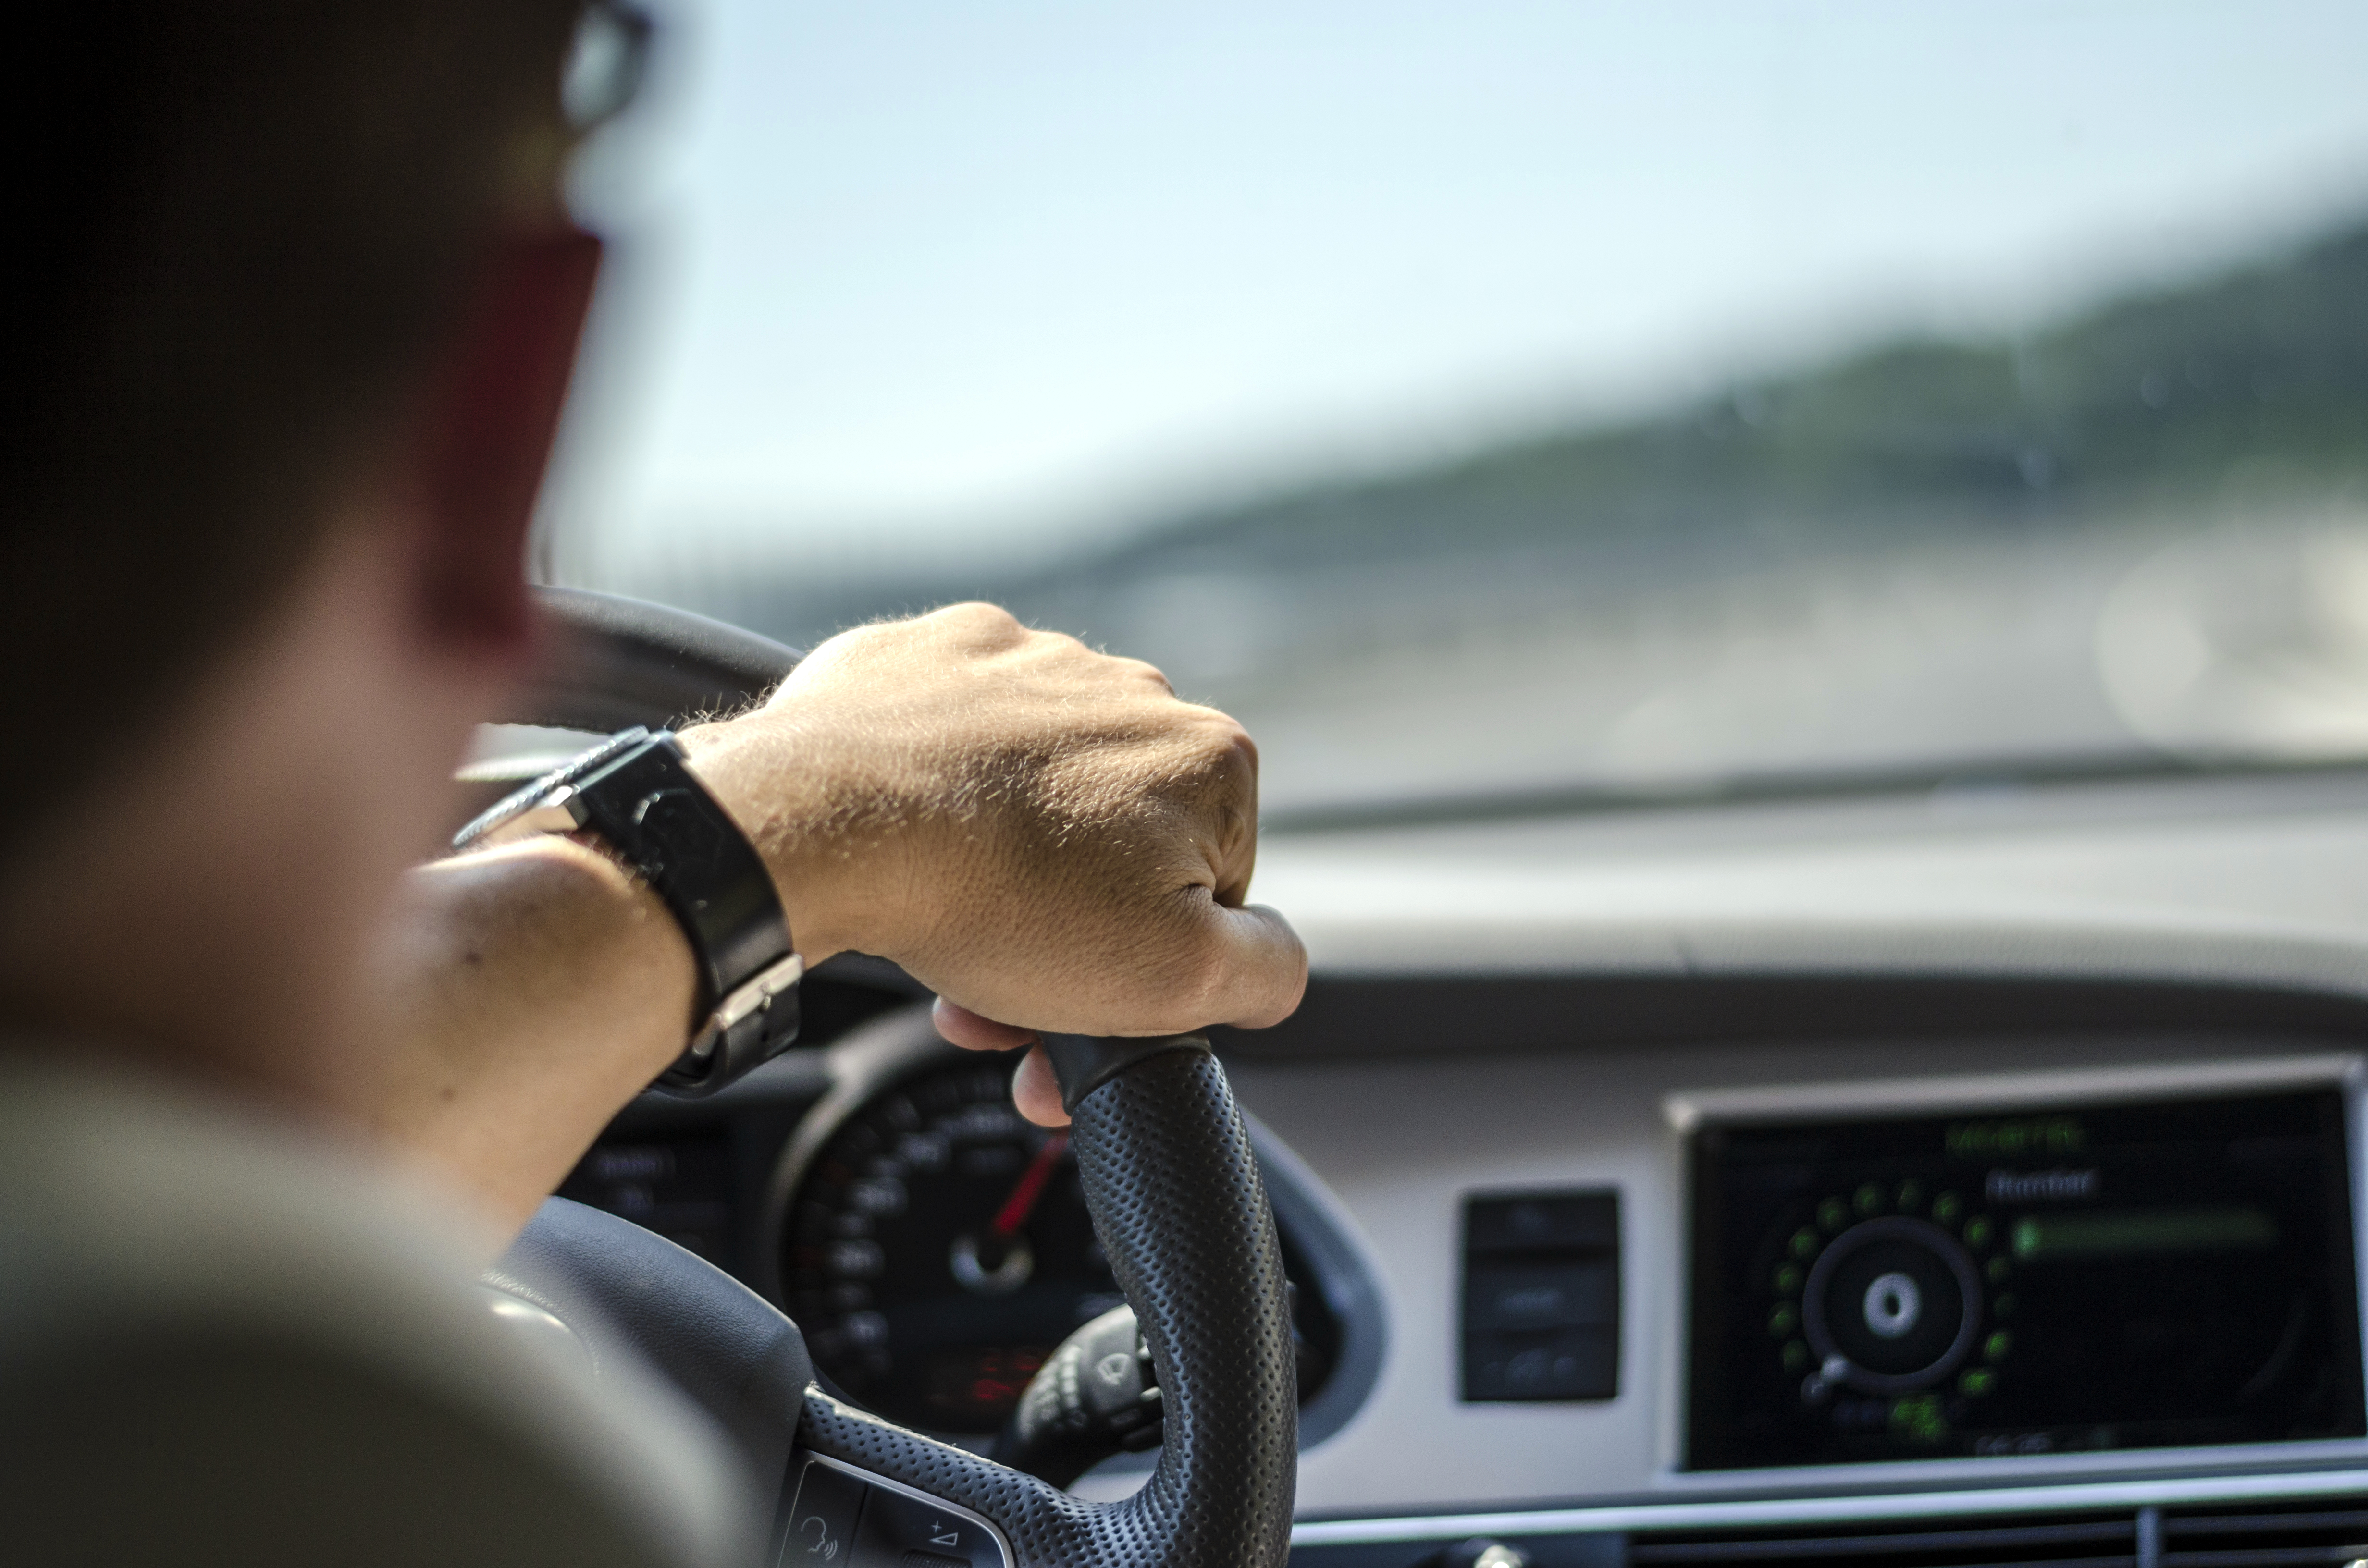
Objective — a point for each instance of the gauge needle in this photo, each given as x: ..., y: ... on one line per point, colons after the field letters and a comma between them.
x: 1029, y: 1188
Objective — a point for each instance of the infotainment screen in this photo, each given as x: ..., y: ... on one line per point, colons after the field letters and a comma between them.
x: 2027, y: 1282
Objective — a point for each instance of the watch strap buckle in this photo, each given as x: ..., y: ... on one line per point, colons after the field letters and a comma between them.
x: 744, y: 1027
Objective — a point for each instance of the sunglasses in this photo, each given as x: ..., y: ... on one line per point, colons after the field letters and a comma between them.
x: 606, y: 63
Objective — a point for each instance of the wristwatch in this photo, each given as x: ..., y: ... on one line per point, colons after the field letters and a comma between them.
x: 633, y: 791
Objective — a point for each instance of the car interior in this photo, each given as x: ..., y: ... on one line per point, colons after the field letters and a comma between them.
x: 1837, y: 885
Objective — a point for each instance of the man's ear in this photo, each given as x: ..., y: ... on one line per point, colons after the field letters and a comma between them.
x: 485, y: 436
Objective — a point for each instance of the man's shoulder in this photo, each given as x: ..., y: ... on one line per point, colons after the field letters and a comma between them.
x: 217, y: 1329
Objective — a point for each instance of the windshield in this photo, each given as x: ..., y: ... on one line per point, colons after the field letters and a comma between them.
x: 1487, y: 397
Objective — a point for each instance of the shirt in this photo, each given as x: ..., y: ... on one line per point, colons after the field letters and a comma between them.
x: 225, y: 1338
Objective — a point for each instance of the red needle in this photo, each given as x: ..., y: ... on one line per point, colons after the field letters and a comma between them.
x: 1032, y: 1181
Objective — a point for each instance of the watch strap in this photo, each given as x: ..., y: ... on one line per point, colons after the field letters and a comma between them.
x: 636, y: 792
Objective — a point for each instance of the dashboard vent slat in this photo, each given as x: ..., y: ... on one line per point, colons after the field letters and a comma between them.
x: 2264, y: 1556
x: 1920, y: 1554
x: 1954, y: 1543
x: 2264, y: 1537
x: 2274, y: 1535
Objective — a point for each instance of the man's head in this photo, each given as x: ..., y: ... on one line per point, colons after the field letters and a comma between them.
x: 247, y: 228
x: 297, y: 301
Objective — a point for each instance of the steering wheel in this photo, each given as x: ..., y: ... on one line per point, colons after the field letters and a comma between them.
x: 1169, y: 1179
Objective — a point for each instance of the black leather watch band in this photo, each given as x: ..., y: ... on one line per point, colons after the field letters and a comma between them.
x: 635, y: 793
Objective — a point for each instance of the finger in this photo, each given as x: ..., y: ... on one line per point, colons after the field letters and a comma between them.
x: 1230, y: 821
x: 972, y: 1033
x: 1259, y: 969
x: 1034, y: 1088
x: 1036, y: 1092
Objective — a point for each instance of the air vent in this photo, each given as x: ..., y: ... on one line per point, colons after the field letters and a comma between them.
x: 2089, y: 1541
x: 2333, y: 1532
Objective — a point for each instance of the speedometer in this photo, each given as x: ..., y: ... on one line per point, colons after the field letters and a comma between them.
x: 935, y: 1248
x: 939, y: 1249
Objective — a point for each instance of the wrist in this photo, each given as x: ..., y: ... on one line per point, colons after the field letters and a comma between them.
x: 564, y: 928
x: 827, y: 861
x: 637, y: 791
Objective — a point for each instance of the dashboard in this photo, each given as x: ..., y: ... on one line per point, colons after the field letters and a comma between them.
x: 1964, y: 1177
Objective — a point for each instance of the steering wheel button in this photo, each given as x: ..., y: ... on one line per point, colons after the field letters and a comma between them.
x: 822, y: 1519
x: 903, y: 1531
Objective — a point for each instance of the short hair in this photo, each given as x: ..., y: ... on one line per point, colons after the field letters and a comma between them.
x: 243, y: 228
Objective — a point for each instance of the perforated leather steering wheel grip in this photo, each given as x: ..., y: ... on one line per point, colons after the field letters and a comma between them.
x: 1178, y: 1205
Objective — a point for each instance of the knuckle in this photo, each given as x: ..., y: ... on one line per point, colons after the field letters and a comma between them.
x: 1217, y: 727
x: 978, y: 617
x: 1225, y: 761
x: 1142, y: 669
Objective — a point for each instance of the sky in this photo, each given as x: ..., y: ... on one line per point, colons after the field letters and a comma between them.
x: 981, y: 277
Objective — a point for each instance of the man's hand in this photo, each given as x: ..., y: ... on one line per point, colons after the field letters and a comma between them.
x: 1043, y: 835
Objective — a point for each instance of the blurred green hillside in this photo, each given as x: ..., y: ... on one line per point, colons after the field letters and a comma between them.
x: 1907, y: 558
x: 2153, y: 403
x: 2268, y: 366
